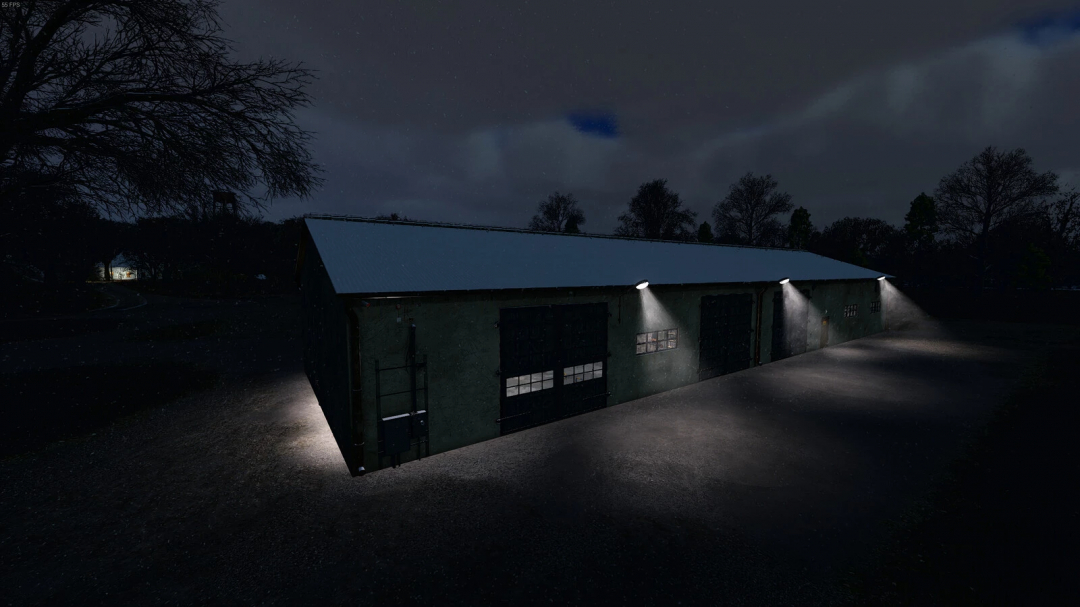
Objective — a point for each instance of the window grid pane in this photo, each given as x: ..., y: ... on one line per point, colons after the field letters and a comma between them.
x: 533, y: 382
x: 655, y: 341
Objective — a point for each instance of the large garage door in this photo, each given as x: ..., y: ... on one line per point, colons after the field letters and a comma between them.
x: 553, y: 363
x: 790, y: 315
x: 726, y: 328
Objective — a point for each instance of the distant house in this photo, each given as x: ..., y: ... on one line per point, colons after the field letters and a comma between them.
x: 122, y: 269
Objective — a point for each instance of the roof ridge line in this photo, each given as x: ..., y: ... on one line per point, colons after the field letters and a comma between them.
x: 465, y: 226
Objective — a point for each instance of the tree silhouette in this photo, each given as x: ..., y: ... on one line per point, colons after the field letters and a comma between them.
x: 748, y: 213
x: 656, y: 212
x: 860, y: 241
x: 150, y: 113
x: 800, y: 230
x: 1065, y: 215
x: 394, y: 217
x: 704, y: 233
x: 51, y: 229
x: 559, y: 213
x: 987, y: 191
x: 921, y: 223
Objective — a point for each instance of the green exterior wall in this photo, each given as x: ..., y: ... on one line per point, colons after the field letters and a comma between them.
x: 460, y: 340
x: 327, y: 353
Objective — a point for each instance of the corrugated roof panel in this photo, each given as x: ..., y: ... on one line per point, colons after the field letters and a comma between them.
x: 373, y: 257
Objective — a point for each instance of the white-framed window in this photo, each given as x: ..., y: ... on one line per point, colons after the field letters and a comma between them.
x: 580, y: 373
x: 657, y: 341
x: 851, y: 310
x: 875, y: 307
x: 530, y: 382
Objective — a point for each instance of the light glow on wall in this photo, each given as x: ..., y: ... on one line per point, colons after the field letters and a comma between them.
x: 899, y: 310
x: 654, y: 315
x: 794, y: 300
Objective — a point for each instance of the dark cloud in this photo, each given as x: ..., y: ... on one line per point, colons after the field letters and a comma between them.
x: 473, y: 112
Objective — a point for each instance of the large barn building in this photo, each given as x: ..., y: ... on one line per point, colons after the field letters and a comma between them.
x: 422, y: 338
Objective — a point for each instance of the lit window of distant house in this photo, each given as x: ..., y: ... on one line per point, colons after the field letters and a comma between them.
x: 657, y: 341
x: 580, y: 373
x: 875, y: 306
x: 532, y: 382
x: 851, y: 310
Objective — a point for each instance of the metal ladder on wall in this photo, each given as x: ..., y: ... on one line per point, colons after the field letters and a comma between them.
x: 398, y: 434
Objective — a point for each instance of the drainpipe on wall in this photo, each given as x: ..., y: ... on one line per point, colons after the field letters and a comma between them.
x: 757, y: 330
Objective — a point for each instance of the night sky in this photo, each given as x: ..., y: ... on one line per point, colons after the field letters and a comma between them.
x: 475, y: 111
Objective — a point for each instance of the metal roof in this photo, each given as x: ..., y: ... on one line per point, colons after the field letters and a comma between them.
x: 364, y: 256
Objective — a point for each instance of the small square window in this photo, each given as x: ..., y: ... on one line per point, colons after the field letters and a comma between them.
x: 549, y: 374
x: 661, y: 345
x: 511, y: 381
x: 598, y: 366
x: 537, y: 376
x: 642, y: 337
x: 588, y: 367
x: 567, y: 371
x: 512, y: 391
x: 598, y: 373
x: 548, y: 383
x: 652, y: 337
x: 525, y: 389
x: 588, y: 375
x: 579, y: 377
x: 640, y: 349
x: 671, y: 344
x: 652, y: 346
x: 579, y: 369
x: 673, y: 333
x: 875, y: 307
x: 569, y: 379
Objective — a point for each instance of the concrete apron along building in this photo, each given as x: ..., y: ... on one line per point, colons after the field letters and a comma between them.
x: 422, y: 338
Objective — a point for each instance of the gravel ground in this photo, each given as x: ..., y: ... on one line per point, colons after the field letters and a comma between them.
x: 758, y: 488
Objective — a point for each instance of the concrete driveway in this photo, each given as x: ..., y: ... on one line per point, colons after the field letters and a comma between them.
x: 758, y: 488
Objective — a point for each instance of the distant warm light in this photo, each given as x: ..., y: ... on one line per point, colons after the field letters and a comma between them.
x: 642, y: 285
x: 881, y: 278
x: 784, y: 281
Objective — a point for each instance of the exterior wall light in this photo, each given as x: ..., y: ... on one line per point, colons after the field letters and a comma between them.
x: 642, y: 285
x: 784, y: 281
x: 880, y: 278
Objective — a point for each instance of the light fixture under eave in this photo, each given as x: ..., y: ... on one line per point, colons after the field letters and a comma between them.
x: 880, y: 278
x: 642, y: 285
x: 784, y: 281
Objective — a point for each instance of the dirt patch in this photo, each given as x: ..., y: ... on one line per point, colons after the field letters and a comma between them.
x: 997, y: 527
x: 30, y: 330
x: 44, y: 406
x: 27, y: 298
x: 191, y: 330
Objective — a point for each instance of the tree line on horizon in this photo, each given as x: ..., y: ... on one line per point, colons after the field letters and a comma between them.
x: 995, y: 221
x: 109, y: 152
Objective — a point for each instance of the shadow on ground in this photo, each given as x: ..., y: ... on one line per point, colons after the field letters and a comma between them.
x: 763, y: 487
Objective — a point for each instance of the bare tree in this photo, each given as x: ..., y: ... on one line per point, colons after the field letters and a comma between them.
x: 748, y: 214
x: 657, y: 212
x: 1066, y: 219
x: 559, y: 213
x: 139, y: 106
x: 990, y: 189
